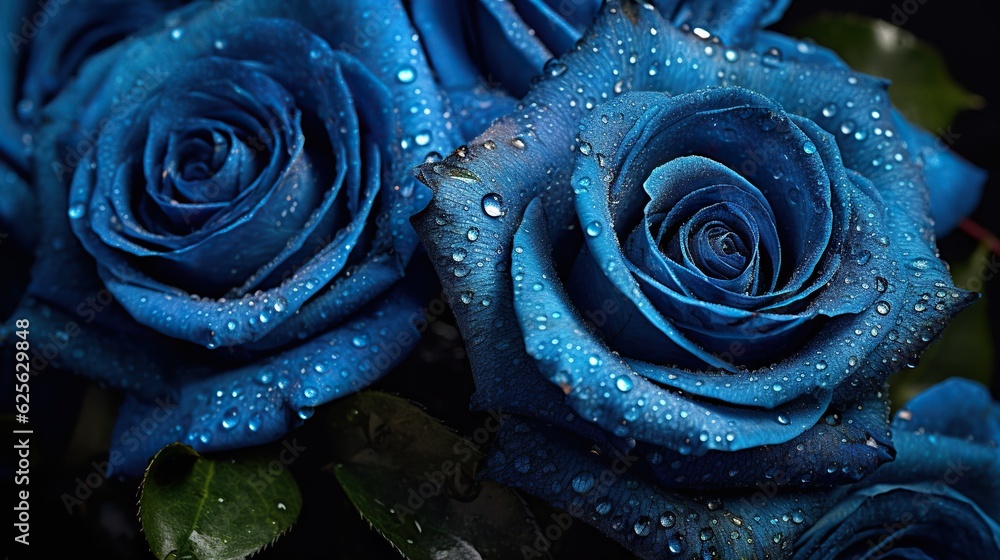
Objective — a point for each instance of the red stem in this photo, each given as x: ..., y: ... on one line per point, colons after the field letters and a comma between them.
x: 981, y: 234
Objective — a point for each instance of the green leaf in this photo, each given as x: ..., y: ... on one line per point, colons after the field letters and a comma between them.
x: 413, y: 480
x: 922, y: 88
x: 193, y: 507
x: 965, y: 348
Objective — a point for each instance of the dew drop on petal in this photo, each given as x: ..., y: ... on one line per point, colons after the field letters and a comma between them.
x: 642, y: 526
x: 603, y: 506
x: 406, y: 75
x: 583, y: 482
x: 493, y: 205
x: 77, y: 211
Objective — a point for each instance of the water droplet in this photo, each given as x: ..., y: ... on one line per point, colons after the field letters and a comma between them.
x: 254, y: 423
x: 668, y: 519
x: 847, y: 127
x: 642, y: 526
x: 809, y: 148
x: 820, y: 365
x: 406, y: 75
x: 706, y: 534
x: 490, y: 145
x: 231, y: 418
x: 306, y: 412
x: 310, y: 392
x: 783, y: 420
x: 881, y: 284
x: 731, y: 55
x: 830, y: 110
x: 555, y: 68
x: 603, y: 506
x: 493, y: 205
x: 422, y: 138
x: 177, y: 34
x: 771, y: 57
x: 882, y: 308
x: 77, y: 211
x: 583, y: 482
x: 472, y: 234
x: 920, y: 264
x: 459, y: 254
x: 359, y: 341
x: 624, y: 384
x: 594, y: 228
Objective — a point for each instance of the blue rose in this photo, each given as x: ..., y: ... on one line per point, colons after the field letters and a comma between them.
x: 939, y: 499
x: 48, y: 42
x: 706, y: 279
x: 955, y: 184
x: 226, y: 223
x: 486, y: 53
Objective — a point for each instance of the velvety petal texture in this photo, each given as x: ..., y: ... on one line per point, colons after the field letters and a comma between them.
x: 940, y: 499
x: 486, y: 52
x: 955, y: 185
x: 238, y: 196
x: 701, y: 266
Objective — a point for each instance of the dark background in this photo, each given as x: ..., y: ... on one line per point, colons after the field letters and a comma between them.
x: 965, y: 33
x: 437, y: 374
